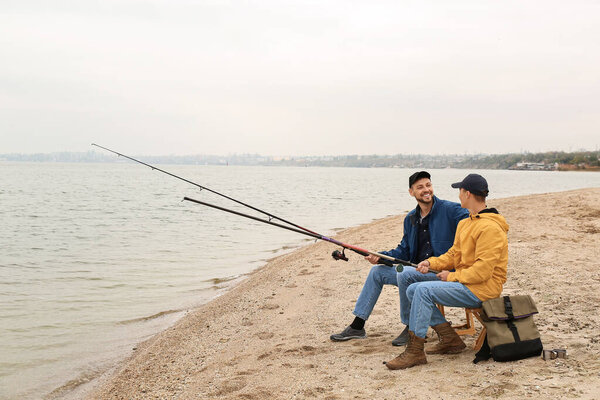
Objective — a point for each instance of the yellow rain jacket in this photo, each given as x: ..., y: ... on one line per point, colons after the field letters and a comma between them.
x: 479, y: 254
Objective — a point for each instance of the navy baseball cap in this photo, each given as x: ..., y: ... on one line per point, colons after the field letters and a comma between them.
x: 474, y: 183
x: 416, y: 176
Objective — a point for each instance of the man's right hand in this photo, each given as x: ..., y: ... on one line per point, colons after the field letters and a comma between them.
x: 373, y: 259
x: 423, y: 267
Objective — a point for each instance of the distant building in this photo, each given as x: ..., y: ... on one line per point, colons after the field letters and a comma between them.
x: 534, y: 166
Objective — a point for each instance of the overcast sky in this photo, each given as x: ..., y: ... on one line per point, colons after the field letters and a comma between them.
x: 299, y: 77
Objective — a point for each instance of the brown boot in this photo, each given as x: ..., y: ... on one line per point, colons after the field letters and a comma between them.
x: 413, y: 354
x: 450, y: 342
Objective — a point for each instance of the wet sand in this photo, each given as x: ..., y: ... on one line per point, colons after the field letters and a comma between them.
x: 269, y: 336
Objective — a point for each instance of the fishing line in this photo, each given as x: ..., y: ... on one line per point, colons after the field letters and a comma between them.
x: 387, y: 260
x: 205, y: 188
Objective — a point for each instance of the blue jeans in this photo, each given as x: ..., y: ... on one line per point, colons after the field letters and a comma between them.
x: 423, y: 296
x: 407, y: 277
x: 378, y: 276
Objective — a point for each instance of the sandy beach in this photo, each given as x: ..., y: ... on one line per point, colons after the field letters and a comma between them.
x: 268, y: 337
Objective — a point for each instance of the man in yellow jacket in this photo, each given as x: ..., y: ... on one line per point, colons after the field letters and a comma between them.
x: 478, y: 258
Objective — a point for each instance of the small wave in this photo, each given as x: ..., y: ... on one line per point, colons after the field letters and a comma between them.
x: 49, y: 346
x: 285, y: 247
x: 19, y: 365
x: 114, y: 286
x: 216, y: 281
x: 37, y: 328
x: 142, y: 319
x: 71, y: 385
x: 11, y: 265
x: 166, y: 251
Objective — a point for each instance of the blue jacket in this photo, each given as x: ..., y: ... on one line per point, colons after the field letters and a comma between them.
x: 444, y: 216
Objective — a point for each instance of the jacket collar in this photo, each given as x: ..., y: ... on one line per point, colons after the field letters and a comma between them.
x: 484, y: 211
x: 417, y: 211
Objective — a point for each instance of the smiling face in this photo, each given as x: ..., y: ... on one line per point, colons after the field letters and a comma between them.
x: 422, y: 191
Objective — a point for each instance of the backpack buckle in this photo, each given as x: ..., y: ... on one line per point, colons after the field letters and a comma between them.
x: 553, y: 354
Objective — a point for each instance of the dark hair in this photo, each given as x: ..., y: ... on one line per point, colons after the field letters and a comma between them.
x: 479, y: 197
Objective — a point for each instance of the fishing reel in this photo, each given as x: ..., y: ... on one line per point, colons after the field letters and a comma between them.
x: 339, y: 256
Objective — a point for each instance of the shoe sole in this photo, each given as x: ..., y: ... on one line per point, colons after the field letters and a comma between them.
x: 394, y: 368
x: 343, y: 339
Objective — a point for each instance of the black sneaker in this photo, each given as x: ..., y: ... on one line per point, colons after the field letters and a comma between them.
x: 402, y: 339
x: 349, y: 333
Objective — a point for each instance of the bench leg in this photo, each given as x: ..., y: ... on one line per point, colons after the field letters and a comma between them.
x: 468, y: 328
x: 481, y: 337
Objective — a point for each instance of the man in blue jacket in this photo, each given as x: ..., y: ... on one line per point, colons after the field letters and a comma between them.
x: 428, y: 232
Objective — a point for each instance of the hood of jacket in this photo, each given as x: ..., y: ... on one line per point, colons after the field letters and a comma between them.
x: 491, y: 214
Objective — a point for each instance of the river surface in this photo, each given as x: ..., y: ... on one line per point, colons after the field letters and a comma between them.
x: 97, y: 257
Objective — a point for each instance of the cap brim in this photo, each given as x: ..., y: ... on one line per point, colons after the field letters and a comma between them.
x: 456, y: 185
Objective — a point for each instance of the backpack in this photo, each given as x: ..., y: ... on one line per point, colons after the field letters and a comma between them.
x: 511, y: 332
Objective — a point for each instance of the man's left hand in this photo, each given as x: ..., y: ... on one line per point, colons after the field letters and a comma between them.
x: 443, y: 275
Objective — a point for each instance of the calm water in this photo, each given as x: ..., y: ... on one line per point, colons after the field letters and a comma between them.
x: 96, y: 257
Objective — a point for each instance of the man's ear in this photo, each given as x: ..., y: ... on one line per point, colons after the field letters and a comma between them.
x: 410, y: 191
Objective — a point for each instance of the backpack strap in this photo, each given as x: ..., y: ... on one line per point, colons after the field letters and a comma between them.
x: 509, y: 312
x: 484, y: 353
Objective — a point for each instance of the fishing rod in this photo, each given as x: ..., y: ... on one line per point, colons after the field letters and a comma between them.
x: 337, y: 255
x: 384, y: 259
x: 271, y: 216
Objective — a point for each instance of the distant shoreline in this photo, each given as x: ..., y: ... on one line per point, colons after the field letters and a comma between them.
x: 556, y: 161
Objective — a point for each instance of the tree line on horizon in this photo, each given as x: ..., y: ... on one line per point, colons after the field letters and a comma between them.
x: 580, y: 160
